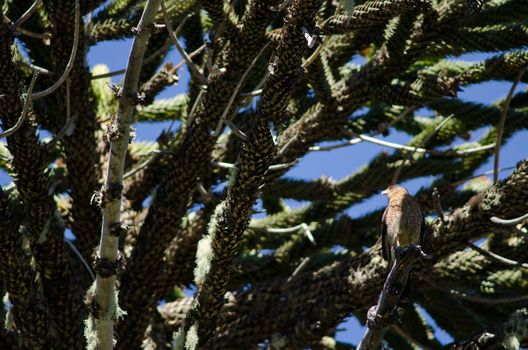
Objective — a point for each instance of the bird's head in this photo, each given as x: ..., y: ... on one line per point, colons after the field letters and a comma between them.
x: 394, y: 191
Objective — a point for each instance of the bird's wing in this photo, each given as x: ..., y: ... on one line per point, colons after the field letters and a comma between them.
x: 385, y: 248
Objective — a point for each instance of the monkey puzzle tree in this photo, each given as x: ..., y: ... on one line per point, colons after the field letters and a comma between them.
x: 100, y: 233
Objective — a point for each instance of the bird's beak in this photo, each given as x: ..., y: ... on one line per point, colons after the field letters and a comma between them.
x: 384, y: 192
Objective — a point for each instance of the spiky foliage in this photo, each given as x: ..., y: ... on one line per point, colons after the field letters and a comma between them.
x: 285, y: 278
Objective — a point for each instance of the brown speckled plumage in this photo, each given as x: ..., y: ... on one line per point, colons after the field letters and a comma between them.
x: 402, y: 222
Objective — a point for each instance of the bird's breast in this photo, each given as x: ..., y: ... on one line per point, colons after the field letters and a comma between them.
x: 403, y: 228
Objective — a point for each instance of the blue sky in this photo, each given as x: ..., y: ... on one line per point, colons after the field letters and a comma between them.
x: 336, y: 164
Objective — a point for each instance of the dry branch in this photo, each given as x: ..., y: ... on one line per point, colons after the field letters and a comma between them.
x: 104, y: 308
x: 380, y: 316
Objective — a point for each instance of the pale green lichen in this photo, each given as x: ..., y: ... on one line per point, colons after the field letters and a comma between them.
x: 204, y: 255
x: 516, y: 330
x: 277, y: 341
x: 204, y: 251
x: 90, y: 327
x: 9, y: 318
x: 90, y: 333
x: 511, y: 343
x: 191, y: 341
x: 179, y: 340
x: 119, y: 313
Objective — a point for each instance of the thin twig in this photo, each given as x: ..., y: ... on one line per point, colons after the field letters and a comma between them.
x: 173, y: 36
x: 313, y: 56
x: 438, y: 205
x: 409, y: 156
x: 207, y: 196
x: 139, y: 167
x: 304, y: 227
x: 509, y: 222
x: 38, y: 69
x: 257, y: 90
x: 252, y: 93
x: 150, y: 59
x: 398, y: 330
x: 191, y: 55
x: 25, y: 16
x: 236, y: 90
x: 357, y: 140
x: 398, y: 146
x: 195, y: 106
x: 81, y: 258
x: 71, y: 61
x: 69, y: 126
x: 147, y: 60
x: 489, y: 172
x: 271, y: 167
x: 25, y: 109
x: 219, y: 31
x: 236, y: 130
x: 496, y: 257
x: 295, y: 273
x: 45, y: 37
x: 476, y: 299
x: 502, y: 122
x: 224, y: 165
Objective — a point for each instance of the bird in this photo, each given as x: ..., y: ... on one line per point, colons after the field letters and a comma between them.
x: 402, y: 222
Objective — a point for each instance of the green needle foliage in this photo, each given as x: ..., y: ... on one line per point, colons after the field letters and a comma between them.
x: 271, y: 81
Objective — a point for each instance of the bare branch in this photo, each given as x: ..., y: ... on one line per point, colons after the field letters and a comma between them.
x: 25, y: 109
x: 105, y: 289
x: 489, y: 172
x: 398, y: 330
x: 38, y: 69
x: 252, y: 93
x: 147, y: 60
x: 296, y: 272
x: 357, y: 140
x: 139, y: 168
x: 435, y: 131
x: 304, y: 227
x: 236, y: 90
x: 313, y: 56
x: 69, y: 126
x: 25, y: 16
x: 380, y: 316
x: 206, y: 195
x: 496, y: 257
x: 173, y: 36
x: 474, y: 298
x: 150, y: 59
x: 45, y: 37
x: 195, y: 106
x: 447, y: 153
x: 71, y: 61
x: 502, y: 121
x: 80, y: 257
x: 236, y: 130
x: 509, y: 222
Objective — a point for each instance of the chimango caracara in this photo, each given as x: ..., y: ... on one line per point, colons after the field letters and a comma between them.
x: 402, y: 223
